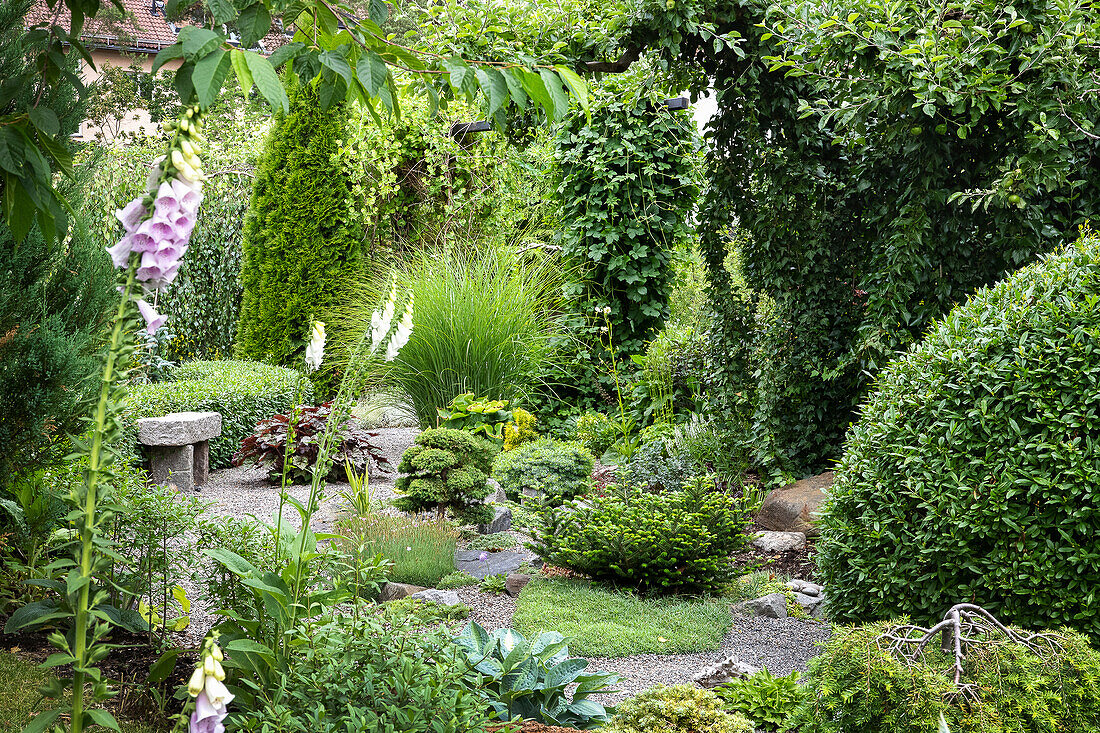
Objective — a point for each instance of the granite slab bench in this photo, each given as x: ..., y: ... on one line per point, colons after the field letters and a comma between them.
x: 178, y: 446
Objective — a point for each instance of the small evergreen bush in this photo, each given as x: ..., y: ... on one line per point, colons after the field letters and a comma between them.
x: 243, y: 392
x: 556, y: 471
x: 858, y: 686
x: 673, y: 542
x: 596, y: 432
x: 973, y: 471
x: 676, y: 709
x: 521, y: 430
x: 447, y: 470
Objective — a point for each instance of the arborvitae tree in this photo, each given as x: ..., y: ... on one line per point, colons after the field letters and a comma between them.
x: 302, y: 237
x: 54, y: 297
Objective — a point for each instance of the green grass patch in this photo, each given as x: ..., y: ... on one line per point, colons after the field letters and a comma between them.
x: 607, y: 623
x: 19, y: 681
x: 422, y: 550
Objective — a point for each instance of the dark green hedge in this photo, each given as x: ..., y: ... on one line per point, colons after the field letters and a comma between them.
x: 974, y: 471
x: 243, y: 392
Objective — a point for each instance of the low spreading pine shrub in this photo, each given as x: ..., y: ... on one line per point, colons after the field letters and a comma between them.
x: 974, y: 471
x: 554, y: 470
x: 674, y: 542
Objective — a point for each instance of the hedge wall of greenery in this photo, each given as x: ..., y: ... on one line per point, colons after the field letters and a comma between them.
x: 974, y: 471
x: 301, y: 242
x: 243, y: 392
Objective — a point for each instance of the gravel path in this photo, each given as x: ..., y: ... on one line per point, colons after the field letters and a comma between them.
x: 780, y: 645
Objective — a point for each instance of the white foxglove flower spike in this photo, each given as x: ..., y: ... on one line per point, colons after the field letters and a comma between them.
x: 315, y: 351
x: 381, y: 321
x: 401, y: 335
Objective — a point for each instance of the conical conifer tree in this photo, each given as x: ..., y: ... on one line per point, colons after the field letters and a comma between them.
x: 302, y: 237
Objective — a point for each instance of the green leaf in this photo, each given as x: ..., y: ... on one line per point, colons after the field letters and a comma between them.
x: 286, y: 53
x: 163, y: 667
x: 577, y: 86
x: 224, y: 11
x: 254, y: 23
x: 36, y: 613
x: 267, y: 81
x: 11, y: 150
x: 536, y: 89
x: 240, y: 67
x: 335, y: 60
x: 379, y: 11
x: 554, y: 86
x: 459, y: 73
x: 209, y: 76
x: 42, y: 721
x: 493, y: 84
x: 372, y: 72
x: 45, y: 120
x: 99, y: 716
x: 198, y: 42
x: 248, y: 646
x: 233, y: 562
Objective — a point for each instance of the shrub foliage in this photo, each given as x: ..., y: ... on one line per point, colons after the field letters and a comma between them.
x: 674, y: 542
x: 858, y: 686
x: 676, y: 709
x: 972, y: 473
x: 557, y: 471
x: 447, y: 470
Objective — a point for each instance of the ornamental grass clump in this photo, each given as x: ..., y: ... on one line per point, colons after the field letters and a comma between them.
x: 485, y: 315
x: 422, y: 550
x: 972, y: 473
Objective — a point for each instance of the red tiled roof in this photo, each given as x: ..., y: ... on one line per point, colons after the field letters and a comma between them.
x: 143, y: 30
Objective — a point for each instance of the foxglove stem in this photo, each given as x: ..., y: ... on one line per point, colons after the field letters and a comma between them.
x: 87, y: 530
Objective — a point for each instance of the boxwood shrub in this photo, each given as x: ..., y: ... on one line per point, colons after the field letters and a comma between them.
x: 244, y: 392
x: 556, y: 470
x: 858, y: 686
x: 973, y: 473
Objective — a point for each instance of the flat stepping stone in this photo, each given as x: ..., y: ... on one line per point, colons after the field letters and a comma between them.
x: 494, y: 563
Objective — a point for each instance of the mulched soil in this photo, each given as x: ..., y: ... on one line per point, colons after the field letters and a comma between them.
x: 532, y: 726
x: 798, y: 564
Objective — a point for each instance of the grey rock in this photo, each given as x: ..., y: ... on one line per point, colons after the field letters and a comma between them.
x: 179, y: 428
x: 773, y: 605
x: 794, y: 508
x: 495, y: 563
x: 393, y: 591
x: 806, y: 587
x: 779, y: 541
x: 173, y: 465
x: 496, y: 492
x: 515, y: 583
x: 502, y: 521
x: 819, y: 611
x: 808, y: 602
x: 434, y: 595
x: 726, y: 670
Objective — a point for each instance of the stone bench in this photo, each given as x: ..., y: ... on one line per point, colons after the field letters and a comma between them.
x: 178, y: 446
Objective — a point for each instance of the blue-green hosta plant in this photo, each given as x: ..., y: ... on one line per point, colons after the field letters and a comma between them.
x: 528, y: 679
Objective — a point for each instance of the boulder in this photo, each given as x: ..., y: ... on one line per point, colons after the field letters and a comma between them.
x: 434, y: 595
x: 495, y: 563
x: 393, y: 591
x: 496, y: 492
x: 501, y: 522
x: 793, y: 508
x: 779, y: 541
x: 726, y: 670
x: 810, y: 603
x: 515, y: 583
x: 806, y: 587
x: 773, y: 605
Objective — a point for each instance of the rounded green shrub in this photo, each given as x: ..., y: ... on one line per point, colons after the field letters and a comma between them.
x: 974, y: 471
x: 673, y: 542
x: 553, y: 470
x: 244, y: 392
x: 858, y: 686
x: 676, y: 709
x: 447, y: 470
x: 596, y: 432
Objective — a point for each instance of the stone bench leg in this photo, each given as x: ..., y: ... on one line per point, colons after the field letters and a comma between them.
x: 201, y: 465
x: 173, y: 464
